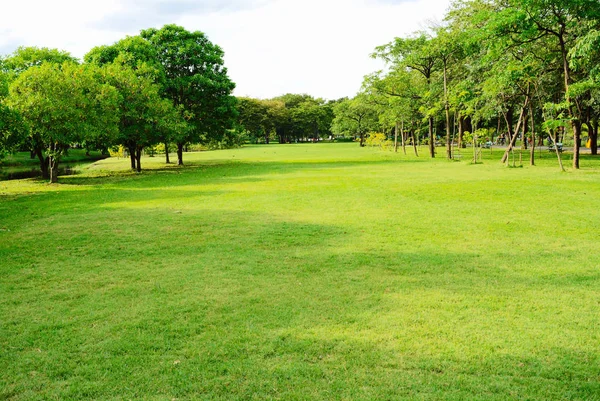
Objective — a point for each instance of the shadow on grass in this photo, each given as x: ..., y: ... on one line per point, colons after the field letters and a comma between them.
x: 214, y: 170
x: 240, y: 305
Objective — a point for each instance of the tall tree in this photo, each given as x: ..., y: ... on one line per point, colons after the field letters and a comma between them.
x: 197, y: 80
x: 416, y: 53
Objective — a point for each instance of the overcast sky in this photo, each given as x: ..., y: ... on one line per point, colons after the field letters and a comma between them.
x: 272, y: 47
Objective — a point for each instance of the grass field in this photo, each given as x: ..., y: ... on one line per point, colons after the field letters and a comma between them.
x: 318, y: 271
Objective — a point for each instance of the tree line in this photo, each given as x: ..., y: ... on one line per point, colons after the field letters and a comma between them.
x: 518, y: 68
x: 164, y: 85
x: 511, y: 68
x: 288, y: 118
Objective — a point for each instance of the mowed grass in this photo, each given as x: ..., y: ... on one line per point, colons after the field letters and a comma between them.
x: 297, y: 272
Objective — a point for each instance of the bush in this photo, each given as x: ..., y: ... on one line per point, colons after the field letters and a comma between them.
x: 376, y: 139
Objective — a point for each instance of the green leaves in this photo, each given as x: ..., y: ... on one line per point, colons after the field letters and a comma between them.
x: 63, y: 104
x: 195, y: 78
x: 12, y: 130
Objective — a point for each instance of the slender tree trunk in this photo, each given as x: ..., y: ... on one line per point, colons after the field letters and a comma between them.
x: 513, y: 139
x: 575, y: 120
x: 461, y: 130
x: 32, y: 154
x: 138, y: 159
x: 447, y: 108
x: 360, y: 132
x: 53, y: 168
x: 532, y: 150
x: 414, y: 142
x: 523, y: 139
x: 180, y: 153
x: 168, y: 161
x: 576, y: 124
x: 396, y: 137
x: 594, y: 137
x: 403, y: 136
x: 431, y: 138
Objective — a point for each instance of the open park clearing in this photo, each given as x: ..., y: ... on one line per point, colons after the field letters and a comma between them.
x: 312, y: 271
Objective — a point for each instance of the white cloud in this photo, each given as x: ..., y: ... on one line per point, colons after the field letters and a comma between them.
x: 320, y: 47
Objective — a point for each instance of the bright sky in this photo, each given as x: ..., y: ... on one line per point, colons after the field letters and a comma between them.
x: 272, y: 47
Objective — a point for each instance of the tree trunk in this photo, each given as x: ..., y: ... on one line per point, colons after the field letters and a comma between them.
x: 396, y: 137
x: 447, y: 108
x: 168, y: 161
x: 414, y: 142
x: 513, y: 139
x: 43, y: 164
x: 32, y: 154
x: 594, y: 137
x: 131, y: 151
x: 576, y: 142
x: 431, y: 138
x: 53, y: 168
x: 180, y: 154
x: 532, y: 150
x: 138, y: 159
x: 403, y: 136
x: 523, y: 139
x: 575, y: 120
x: 461, y: 130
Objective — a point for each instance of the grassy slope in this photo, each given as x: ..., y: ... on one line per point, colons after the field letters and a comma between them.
x: 302, y: 272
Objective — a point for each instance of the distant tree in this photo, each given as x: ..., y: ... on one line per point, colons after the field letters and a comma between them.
x: 195, y: 79
x: 254, y: 119
x: 279, y: 117
x: 354, y: 117
x: 305, y: 117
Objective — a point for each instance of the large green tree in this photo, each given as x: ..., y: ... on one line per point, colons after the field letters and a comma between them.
x: 195, y: 79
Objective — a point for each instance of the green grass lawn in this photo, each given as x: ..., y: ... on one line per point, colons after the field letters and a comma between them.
x: 297, y: 272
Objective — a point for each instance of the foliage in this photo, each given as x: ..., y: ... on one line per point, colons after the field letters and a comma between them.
x: 62, y: 105
x: 26, y: 57
x: 12, y: 130
x: 145, y: 118
x: 196, y: 80
x: 354, y: 117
